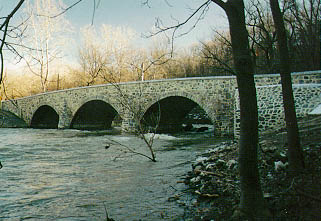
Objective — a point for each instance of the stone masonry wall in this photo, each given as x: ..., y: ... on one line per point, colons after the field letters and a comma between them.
x: 270, y: 105
x: 215, y: 95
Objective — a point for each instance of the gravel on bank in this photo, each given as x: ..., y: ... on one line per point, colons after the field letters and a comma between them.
x: 214, y: 180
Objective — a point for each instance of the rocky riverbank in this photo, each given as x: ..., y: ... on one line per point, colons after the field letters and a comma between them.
x: 214, y: 179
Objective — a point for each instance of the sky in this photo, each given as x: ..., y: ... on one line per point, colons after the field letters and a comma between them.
x: 133, y: 14
x: 139, y: 17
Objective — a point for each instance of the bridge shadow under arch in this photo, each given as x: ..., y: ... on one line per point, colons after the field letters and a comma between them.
x: 45, y: 117
x: 94, y: 115
x: 169, y: 114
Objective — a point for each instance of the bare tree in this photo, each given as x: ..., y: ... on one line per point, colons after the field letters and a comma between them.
x: 8, y: 31
x: 252, y: 202
x: 109, y: 58
x: 217, y: 54
x: 302, y: 21
x: 108, y: 51
x: 159, y: 60
x: 135, y: 109
x: 14, y: 32
x: 295, y: 153
x: 118, y: 43
x: 262, y: 36
x: 46, y: 36
x: 92, y: 57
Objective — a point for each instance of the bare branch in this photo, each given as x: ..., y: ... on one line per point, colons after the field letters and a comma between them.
x: 7, y: 19
x: 202, y: 9
x: 132, y: 150
x: 96, y: 5
x: 66, y: 9
x: 146, y: 3
x: 5, y: 26
x: 168, y: 3
x: 223, y: 65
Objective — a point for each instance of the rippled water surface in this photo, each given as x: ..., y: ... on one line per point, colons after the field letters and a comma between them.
x: 69, y: 175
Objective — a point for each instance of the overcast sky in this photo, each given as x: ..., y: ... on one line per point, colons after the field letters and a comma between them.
x: 131, y: 13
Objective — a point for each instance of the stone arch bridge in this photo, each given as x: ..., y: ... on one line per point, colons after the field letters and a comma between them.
x: 167, y: 100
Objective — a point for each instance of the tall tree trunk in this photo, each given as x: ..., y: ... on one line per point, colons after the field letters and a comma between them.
x: 295, y: 154
x: 252, y: 202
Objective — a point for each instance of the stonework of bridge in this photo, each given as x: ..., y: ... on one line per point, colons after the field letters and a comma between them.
x: 170, y: 100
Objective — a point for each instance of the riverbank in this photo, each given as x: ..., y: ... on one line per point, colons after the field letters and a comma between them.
x: 9, y: 120
x: 214, y: 178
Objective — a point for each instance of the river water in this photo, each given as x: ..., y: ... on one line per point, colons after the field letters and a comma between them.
x: 69, y: 175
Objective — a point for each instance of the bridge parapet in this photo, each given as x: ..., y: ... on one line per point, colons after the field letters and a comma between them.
x: 308, y: 77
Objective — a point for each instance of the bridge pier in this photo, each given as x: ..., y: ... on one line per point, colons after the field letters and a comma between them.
x: 64, y: 123
x: 129, y: 125
x: 65, y: 117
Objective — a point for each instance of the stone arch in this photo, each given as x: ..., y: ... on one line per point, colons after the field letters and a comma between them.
x: 105, y: 99
x: 93, y: 114
x: 45, y: 117
x: 179, y: 103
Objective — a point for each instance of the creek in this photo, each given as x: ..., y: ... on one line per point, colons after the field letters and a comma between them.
x: 70, y: 175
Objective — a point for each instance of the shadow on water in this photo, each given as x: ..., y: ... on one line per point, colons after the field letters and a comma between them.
x: 95, y: 133
x: 74, y: 133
